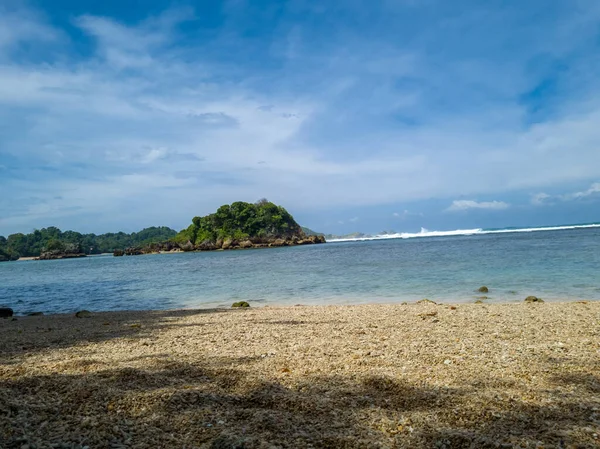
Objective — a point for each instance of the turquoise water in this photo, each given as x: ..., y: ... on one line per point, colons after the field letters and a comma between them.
x: 554, y: 265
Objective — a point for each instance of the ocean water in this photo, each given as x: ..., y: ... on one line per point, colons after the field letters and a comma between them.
x: 556, y: 264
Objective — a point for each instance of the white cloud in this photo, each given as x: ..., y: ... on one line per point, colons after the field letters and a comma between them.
x: 142, y: 109
x: 406, y: 213
x: 459, y: 205
x: 353, y: 220
x: 593, y: 190
x: 545, y: 199
x: 539, y: 199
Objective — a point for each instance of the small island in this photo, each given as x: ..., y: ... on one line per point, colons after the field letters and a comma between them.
x: 239, y: 225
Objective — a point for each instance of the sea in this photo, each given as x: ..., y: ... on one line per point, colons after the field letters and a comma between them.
x: 553, y: 263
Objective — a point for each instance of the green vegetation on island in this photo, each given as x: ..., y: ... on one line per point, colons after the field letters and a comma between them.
x: 52, y: 239
x: 239, y: 225
x: 244, y: 225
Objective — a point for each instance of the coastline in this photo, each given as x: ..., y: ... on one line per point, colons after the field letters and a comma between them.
x: 416, y: 375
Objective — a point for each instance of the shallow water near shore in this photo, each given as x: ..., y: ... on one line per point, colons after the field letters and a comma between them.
x: 554, y: 265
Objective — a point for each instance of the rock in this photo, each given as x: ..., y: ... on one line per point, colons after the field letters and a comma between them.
x: 207, y: 245
x: 479, y: 301
x: 240, y: 304
x: 188, y: 246
x: 278, y: 242
x: 133, y: 251
x: 426, y: 301
x: 533, y: 299
x: 83, y: 314
x: 6, y: 312
x: 483, y: 289
x: 62, y: 251
x: 227, y: 244
x: 246, y: 244
x: 35, y: 314
x: 118, y: 253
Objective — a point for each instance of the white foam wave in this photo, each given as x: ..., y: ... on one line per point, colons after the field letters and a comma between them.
x: 426, y: 233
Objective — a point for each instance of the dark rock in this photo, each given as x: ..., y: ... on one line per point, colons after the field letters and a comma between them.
x: 83, y: 314
x: 63, y: 251
x: 35, y: 314
x: 132, y: 251
x: 118, y: 253
x: 533, y: 299
x: 426, y: 301
x: 483, y: 289
x: 6, y: 312
x: 207, y: 245
x: 240, y: 304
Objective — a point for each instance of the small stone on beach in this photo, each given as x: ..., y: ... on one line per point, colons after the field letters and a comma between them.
x: 83, y: 314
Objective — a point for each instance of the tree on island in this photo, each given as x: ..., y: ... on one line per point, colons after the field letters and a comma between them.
x: 241, y: 221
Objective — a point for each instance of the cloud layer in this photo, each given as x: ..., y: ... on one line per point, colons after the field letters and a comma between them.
x: 110, y: 122
x: 460, y: 205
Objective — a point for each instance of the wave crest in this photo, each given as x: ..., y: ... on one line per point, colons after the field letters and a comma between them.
x: 426, y: 233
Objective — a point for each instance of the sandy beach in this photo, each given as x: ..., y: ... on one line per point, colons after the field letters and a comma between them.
x: 389, y: 376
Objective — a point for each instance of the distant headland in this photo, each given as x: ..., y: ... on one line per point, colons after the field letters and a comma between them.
x: 239, y: 225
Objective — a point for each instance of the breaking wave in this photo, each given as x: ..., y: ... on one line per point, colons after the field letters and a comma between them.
x: 426, y: 233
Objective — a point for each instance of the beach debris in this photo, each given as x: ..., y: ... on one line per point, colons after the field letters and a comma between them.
x: 35, y: 314
x: 426, y: 301
x: 533, y: 299
x: 83, y: 314
x: 452, y: 307
x: 240, y: 304
x: 6, y: 312
x: 427, y: 314
x: 483, y: 289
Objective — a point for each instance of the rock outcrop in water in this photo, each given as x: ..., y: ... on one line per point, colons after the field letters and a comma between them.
x: 59, y: 250
x: 237, y: 226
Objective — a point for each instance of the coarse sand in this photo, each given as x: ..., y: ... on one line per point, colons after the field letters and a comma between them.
x: 389, y: 376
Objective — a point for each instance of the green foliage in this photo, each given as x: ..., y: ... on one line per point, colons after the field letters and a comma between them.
x: 241, y: 221
x: 52, y: 239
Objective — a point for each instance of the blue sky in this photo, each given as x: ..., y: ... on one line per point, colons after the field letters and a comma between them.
x: 354, y: 115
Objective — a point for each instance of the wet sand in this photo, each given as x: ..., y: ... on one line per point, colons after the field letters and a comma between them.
x: 397, y: 376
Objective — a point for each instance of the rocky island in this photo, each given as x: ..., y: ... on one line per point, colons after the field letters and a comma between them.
x: 239, y: 225
x: 59, y: 250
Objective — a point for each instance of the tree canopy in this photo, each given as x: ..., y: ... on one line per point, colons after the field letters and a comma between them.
x: 52, y: 238
x: 241, y: 221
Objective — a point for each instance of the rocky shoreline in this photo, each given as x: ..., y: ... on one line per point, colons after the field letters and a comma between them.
x: 222, y: 244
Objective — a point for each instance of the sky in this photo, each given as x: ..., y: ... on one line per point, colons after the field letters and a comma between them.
x: 354, y: 115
